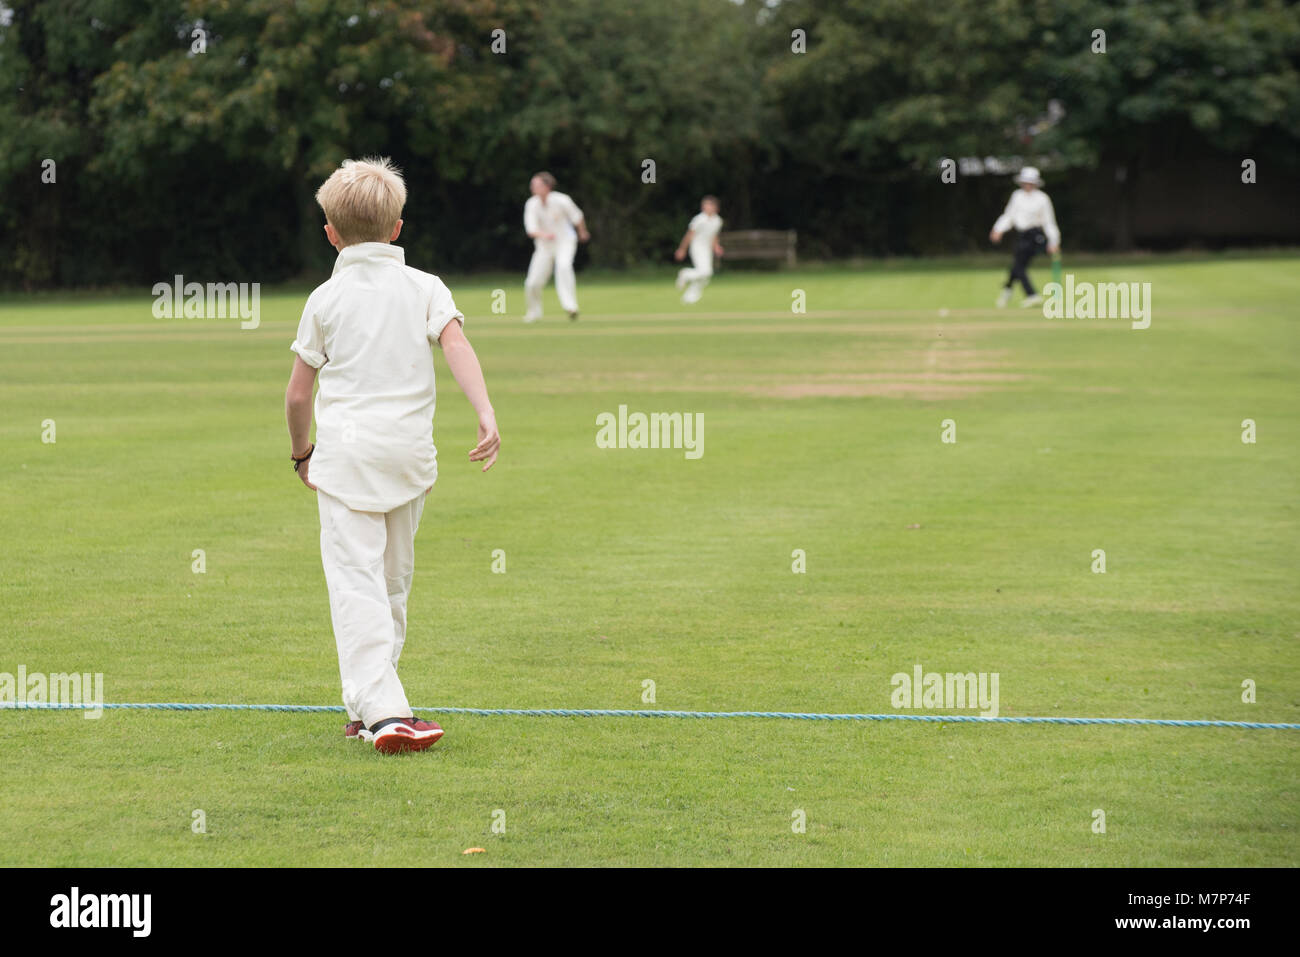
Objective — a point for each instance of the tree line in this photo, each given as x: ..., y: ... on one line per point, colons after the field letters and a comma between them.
x: 141, y: 138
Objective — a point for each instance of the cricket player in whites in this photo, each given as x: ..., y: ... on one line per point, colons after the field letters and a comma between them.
x: 555, y: 224
x: 367, y: 331
x: 1030, y: 212
x: 702, y: 240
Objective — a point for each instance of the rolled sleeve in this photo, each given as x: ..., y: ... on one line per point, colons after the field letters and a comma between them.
x: 309, y: 356
x: 442, y: 310
x: 310, y: 343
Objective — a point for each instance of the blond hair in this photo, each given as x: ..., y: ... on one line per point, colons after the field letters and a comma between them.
x: 363, y: 200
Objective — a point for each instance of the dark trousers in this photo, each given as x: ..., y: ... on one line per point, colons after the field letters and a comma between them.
x: 1027, y: 245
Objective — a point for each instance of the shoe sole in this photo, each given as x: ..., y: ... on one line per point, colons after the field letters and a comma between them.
x: 401, y: 743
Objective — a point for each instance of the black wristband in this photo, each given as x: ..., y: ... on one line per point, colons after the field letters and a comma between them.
x: 298, y: 461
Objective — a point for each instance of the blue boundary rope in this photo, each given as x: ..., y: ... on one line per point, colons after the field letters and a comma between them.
x: 615, y: 713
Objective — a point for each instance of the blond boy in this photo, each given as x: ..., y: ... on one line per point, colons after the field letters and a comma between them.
x: 366, y: 332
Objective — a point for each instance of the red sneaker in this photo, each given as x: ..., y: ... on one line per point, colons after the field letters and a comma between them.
x: 406, y: 734
x: 356, y: 731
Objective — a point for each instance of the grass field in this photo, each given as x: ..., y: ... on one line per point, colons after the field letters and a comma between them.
x: 822, y: 433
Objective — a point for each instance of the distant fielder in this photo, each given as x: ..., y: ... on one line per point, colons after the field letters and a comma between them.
x: 702, y: 240
x: 556, y: 224
x: 1030, y: 212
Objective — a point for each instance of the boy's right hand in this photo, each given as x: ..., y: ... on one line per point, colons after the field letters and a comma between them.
x: 489, y: 442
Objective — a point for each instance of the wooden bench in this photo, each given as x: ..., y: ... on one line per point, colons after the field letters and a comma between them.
x: 776, y: 244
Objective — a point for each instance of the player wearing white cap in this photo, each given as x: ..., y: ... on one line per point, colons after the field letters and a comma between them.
x: 1030, y: 213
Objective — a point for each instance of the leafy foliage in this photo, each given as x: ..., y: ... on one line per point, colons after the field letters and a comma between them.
x: 171, y: 158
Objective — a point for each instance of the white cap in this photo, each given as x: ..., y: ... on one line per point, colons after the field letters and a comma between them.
x: 1030, y: 175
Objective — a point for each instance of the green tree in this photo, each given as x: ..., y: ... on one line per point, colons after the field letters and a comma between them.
x: 290, y: 91
x: 602, y: 87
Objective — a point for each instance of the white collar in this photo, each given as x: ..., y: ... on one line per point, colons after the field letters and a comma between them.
x: 368, y: 253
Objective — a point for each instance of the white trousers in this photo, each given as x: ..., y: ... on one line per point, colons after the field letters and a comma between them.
x: 369, y: 558
x: 551, y: 255
x: 696, y: 276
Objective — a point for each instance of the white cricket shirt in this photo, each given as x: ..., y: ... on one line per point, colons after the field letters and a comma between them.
x: 1028, y: 209
x: 705, y: 228
x: 368, y: 329
x: 558, y: 215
